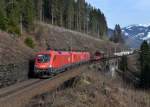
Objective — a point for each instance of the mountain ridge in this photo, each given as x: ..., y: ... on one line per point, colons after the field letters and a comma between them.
x: 134, y: 34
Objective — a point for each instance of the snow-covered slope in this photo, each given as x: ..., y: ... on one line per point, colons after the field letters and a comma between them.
x: 135, y: 34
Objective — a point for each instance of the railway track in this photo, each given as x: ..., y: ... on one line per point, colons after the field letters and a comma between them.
x: 14, y: 88
x: 19, y: 94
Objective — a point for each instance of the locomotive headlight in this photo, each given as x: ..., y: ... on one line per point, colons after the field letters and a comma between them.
x: 50, y: 66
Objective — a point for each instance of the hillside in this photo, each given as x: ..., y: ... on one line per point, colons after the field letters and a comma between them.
x: 56, y: 37
x: 94, y: 88
x: 15, y: 55
x: 14, y: 59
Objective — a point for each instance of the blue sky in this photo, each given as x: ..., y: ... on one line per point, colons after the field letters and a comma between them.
x: 124, y: 12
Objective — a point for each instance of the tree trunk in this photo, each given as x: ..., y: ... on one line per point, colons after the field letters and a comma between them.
x: 87, y: 27
x: 61, y: 18
x: 40, y: 9
x: 52, y: 18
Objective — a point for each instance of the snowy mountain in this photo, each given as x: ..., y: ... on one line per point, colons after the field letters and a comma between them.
x: 135, y: 34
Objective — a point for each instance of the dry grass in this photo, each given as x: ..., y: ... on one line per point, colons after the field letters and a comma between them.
x: 94, y: 89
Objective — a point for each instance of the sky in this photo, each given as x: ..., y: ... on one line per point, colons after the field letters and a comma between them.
x: 124, y: 12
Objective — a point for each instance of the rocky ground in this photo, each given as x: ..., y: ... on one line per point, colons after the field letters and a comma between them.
x: 94, y: 88
x: 14, y: 60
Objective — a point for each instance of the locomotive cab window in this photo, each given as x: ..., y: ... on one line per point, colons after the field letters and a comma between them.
x: 43, y: 58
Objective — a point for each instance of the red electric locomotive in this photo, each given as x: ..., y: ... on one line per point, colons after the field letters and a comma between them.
x: 53, y: 62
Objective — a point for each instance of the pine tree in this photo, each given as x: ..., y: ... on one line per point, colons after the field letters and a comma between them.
x: 70, y: 14
x: 39, y: 9
x: 145, y: 66
x: 61, y: 11
x: 117, y: 35
x: 3, y: 18
x: 28, y: 14
x: 47, y: 9
x: 123, y: 64
x: 98, y: 23
x: 93, y: 20
x: 144, y: 56
x: 13, y: 15
x: 55, y: 12
x: 87, y: 14
x: 82, y: 15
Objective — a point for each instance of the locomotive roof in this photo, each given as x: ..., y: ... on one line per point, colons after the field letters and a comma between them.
x: 58, y: 52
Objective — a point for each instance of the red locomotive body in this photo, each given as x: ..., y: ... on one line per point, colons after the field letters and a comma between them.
x: 53, y: 62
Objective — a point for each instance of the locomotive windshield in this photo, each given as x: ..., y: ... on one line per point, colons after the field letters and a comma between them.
x: 43, y: 58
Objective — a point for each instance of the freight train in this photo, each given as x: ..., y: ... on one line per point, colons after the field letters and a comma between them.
x: 53, y: 62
